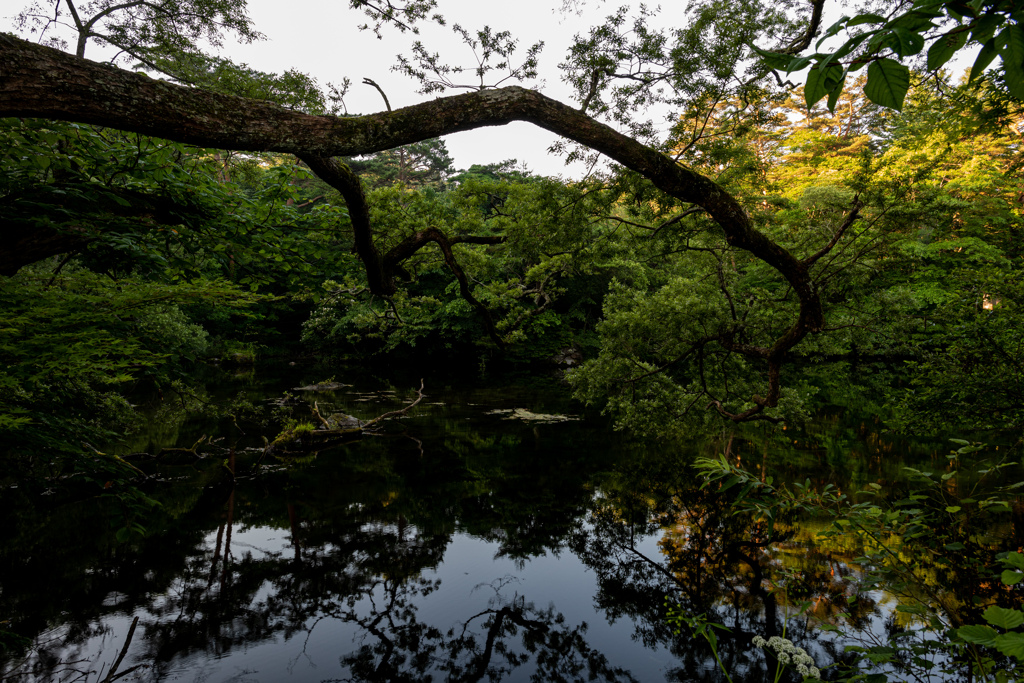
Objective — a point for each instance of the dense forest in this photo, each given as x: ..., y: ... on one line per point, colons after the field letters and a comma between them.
x: 827, y: 228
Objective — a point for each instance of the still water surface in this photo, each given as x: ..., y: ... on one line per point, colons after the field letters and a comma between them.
x: 464, y: 542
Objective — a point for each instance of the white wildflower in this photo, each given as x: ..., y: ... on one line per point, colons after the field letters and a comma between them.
x: 788, y: 653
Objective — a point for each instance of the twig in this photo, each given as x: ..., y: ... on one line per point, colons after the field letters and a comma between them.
x: 851, y: 218
x: 397, y: 413
x: 370, y: 81
x: 316, y: 412
x: 60, y: 266
x: 124, y: 650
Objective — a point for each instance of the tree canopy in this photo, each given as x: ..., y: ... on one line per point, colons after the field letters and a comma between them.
x: 710, y: 183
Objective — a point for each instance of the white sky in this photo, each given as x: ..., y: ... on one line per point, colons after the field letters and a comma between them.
x: 325, y: 42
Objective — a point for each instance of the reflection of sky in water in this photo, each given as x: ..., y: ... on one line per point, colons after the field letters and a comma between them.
x: 472, y: 579
x: 452, y: 462
x: 468, y: 577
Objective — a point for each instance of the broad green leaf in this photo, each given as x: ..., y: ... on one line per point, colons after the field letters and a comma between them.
x: 952, y: 508
x: 985, y: 28
x: 1014, y: 559
x: 1013, y: 59
x: 905, y: 43
x: 774, y: 60
x: 836, y: 92
x: 1011, y: 577
x: 821, y: 82
x: 979, y: 635
x: 867, y: 18
x: 940, y: 52
x: 1011, y: 645
x: 985, y: 56
x: 797, y: 63
x: 888, y: 82
x: 917, y: 21
x: 834, y: 29
x: 1003, y: 617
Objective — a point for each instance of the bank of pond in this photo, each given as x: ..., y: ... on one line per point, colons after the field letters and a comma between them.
x: 496, y: 531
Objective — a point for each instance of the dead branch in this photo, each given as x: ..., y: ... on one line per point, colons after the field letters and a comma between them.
x: 397, y: 413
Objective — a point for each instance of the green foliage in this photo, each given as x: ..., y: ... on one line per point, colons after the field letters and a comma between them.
x: 886, y: 42
x: 531, y: 246
x: 905, y: 287
x: 72, y: 341
x: 677, y: 324
x: 699, y: 627
x: 139, y: 29
x: 168, y: 210
x: 1005, y: 638
x: 292, y: 89
x: 421, y: 164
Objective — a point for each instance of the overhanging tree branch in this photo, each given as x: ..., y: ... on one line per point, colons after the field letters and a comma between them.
x: 43, y: 82
x: 40, y: 81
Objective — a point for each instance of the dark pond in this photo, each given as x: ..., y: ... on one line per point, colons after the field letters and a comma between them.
x: 463, y: 542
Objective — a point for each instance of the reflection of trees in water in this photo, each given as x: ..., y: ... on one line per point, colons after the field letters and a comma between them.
x: 221, y: 602
x: 510, y: 633
x: 365, y: 525
x: 710, y: 561
x: 354, y: 559
x: 371, y: 580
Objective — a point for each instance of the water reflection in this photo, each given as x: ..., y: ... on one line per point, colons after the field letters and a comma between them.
x: 457, y: 546
x: 710, y: 561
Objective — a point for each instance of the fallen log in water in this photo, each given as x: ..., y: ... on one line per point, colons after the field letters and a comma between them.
x: 333, y: 430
